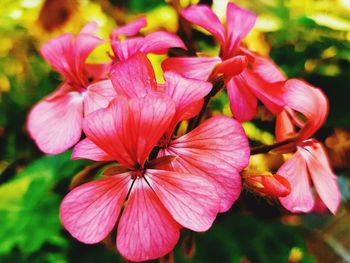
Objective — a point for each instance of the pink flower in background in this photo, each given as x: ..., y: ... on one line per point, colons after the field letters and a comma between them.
x: 309, y: 167
x: 261, y: 80
x: 159, y: 202
x: 55, y: 122
x: 301, y: 98
x: 187, y: 94
x: 156, y: 42
x: 129, y: 30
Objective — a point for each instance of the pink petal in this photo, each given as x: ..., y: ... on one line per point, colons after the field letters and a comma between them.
x: 193, y: 110
x: 295, y: 171
x: 146, y: 229
x: 243, y: 102
x: 239, y: 22
x: 98, y: 71
x: 191, y: 67
x: 270, y: 94
x: 232, y: 67
x: 267, y: 69
x: 90, y: 211
x: 128, y: 130
x: 218, y: 148
x: 323, y: 178
x: 83, y: 46
x: 55, y: 124
x: 134, y: 77
x: 203, y: 16
x: 191, y: 199
x: 159, y: 42
x: 58, y: 52
x: 130, y: 29
x: 185, y: 93
x: 90, y: 28
x: 67, y: 54
x: 124, y: 49
x: 309, y: 101
x: 284, y: 126
x: 86, y: 149
x: 98, y: 96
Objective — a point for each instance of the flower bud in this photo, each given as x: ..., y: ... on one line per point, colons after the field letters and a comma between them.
x: 268, y: 185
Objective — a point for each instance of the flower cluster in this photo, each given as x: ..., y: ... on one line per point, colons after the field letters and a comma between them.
x: 158, y: 178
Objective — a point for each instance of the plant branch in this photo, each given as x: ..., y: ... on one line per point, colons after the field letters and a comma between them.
x: 268, y: 148
x: 218, y: 84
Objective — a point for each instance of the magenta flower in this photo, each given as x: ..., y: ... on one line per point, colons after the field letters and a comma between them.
x: 309, y: 167
x: 218, y: 148
x: 55, y: 123
x: 141, y: 119
x: 159, y: 202
x: 156, y: 42
x: 306, y: 109
x: 261, y: 80
x: 301, y: 97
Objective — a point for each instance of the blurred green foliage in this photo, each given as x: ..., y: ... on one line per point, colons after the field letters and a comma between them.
x: 308, y: 39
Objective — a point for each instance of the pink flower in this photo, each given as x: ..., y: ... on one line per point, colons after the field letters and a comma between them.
x: 140, y: 120
x: 156, y: 42
x: 55, y: 122
x: 309, y: 167
x: 300, y: 97
x: 261, y: 80
x: 158, y: 202
x: 218, y: 148
x: 306, y: 110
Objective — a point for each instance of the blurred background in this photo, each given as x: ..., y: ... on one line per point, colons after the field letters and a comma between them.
x: 309, y: 39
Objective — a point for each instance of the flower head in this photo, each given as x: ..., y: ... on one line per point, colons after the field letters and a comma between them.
x: 160, y: 201
x: 248, y: 76
x: 55, y: 122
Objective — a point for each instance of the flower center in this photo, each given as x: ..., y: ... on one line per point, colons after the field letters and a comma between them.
x: 164, y: 142
x: 137, y: 173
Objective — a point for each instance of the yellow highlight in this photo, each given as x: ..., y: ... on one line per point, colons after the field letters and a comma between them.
x: 329, y: 52
x: 310, y: 65
x: 219, y: 8
x: 100, y: 54
x: 4, y: 83
x: 185, y: 3
x: 295, y: 255
x: 258, y: 185
x: 268, y: 23
x: 164, y: 17
x: 9, y: 193
x: 345, y: 4
x: 257, y: 134
x: 156, y: 61
x: 331, y: 21
x: 5, y: 45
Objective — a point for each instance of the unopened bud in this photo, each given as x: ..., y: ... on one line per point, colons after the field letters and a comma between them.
x: 268, y: 185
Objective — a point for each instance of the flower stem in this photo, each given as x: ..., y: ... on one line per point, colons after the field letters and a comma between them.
x: 218, y: 84
x: 268, y: 148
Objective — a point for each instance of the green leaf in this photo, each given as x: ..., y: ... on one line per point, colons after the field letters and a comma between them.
x: 29, y: 205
